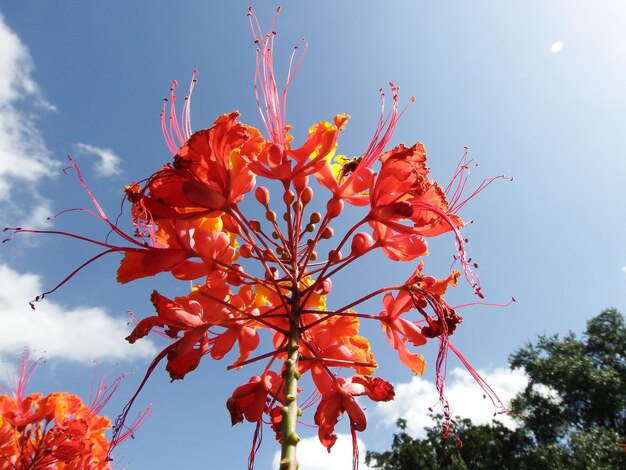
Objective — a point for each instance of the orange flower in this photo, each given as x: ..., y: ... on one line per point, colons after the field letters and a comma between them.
x: 400, y: 330
x: 209, y: 174
x: 334, y: 343
x: 55, y: 431
x: 194, y: 316
x: 177, y: 241
x: 403, y: 191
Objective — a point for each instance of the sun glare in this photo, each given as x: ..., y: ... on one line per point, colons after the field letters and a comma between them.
x: 557, y: 47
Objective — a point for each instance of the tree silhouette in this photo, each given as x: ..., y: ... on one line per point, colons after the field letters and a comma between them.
x: 571, y: 414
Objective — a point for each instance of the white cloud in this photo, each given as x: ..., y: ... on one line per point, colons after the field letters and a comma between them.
x: 624, y: 270
x: 464, y: 395
x: 24, y: 157
x: 80, y: 334
x: 547, y: 392
x: 109, y: 162
x: 312, y: 455
x: 556, y: 47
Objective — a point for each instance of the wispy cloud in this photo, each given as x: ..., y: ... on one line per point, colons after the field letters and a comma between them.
x: 108, y: 163
x: 77, y: 334
x: 24, y: 157
x: 624, y: 270
x: 312, y: 455
x: 465, y: 396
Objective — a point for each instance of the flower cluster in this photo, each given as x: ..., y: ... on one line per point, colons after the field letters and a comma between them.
x: 57, y: 431
x: 269, y: 278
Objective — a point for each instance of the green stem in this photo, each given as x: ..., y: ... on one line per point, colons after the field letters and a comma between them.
x: 290, y: 409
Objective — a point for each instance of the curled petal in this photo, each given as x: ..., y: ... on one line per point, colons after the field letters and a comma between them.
x: 250, y: 400
x: 185, y: 357
x: 376, y: 388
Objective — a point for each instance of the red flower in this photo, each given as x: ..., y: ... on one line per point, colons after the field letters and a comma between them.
x: 250, y: 400
x: 339, y: 398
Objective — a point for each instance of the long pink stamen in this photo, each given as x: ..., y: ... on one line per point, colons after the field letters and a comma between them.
x: 102, y: 215
x: 459, y: 181
x: 386, y: 127
x: 100, y: 399
x: 130, y: 429
x: 485, y: 304
x: 169, y: 140
x: 486, y: 182
x: 119, y: 426
x: 186, y: 113
x: 313, y: 399
x: 461, y: 168
x: 257, y: 439
x: 24, y: 371
x: 383, y: 133
x: 273, y: 109
x: 176, y: 133
x: 489, y: 392
x: 174, y: 125
x: 470, y: 275
x: 291, y: 72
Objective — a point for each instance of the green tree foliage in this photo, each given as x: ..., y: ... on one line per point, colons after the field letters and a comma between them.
x: 571, y: 414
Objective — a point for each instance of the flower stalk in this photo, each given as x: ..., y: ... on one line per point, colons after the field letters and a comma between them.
x: 290, y: 411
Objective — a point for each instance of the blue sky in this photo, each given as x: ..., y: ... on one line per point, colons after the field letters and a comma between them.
x: 534, y: 89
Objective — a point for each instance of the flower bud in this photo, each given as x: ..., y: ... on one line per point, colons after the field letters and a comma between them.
x: 307, y: 195
x: 334, y: 207
x: 315, y: 217
x: 325, y: 287
x: 361, y: 243
x: 271, y: 216
x: 272, y: 275
x: 327, y: 233
x: 262, y: 195
x: 245, y: 250
x: 334, y: 256
x: 289, y: 196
